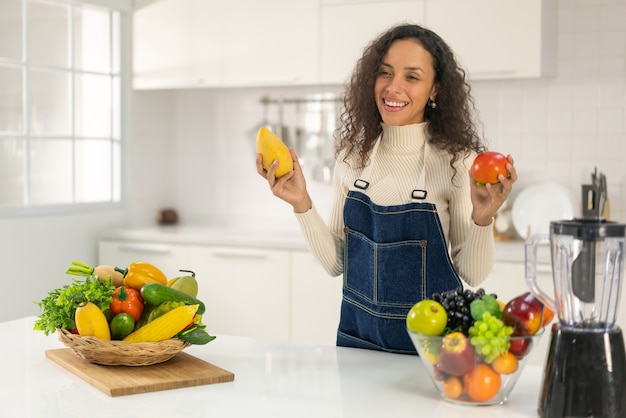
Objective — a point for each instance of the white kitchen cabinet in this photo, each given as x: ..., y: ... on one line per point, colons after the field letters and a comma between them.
x: 234, y: 43
x: 315, y: 301
x: 347, y: 27
x: 178, y: 44
x: 245, y: 290
x: 225, y: 43
x: 270, y: 42
x: 168, y: 257
x: 498, y: 39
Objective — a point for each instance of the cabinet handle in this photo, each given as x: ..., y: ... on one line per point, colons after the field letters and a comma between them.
x: 146, y: 248
x: 269, y: 81
x: 544, y: 269
x: 238, y: 253
x: 491, y: 73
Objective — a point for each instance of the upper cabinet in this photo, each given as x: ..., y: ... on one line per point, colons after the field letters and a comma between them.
x: 347, y: 27
x: 498, y: 39
x: 225, y: 43
x: 270, y: 42
x: 177, y: 44
x: 237, y: 43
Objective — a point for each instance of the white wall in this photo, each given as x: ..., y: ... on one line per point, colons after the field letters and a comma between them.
x: 208, y: 157
x: 36, y: 251
x: 557, y: 129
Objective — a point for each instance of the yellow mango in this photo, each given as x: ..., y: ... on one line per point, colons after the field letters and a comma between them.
x: 91, y: 321
x: 273, y: 148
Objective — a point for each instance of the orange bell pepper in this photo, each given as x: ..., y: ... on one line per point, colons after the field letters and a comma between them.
x: 139, y: 273
x: 127, y: 300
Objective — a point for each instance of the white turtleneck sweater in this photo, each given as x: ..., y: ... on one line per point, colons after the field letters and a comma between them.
x: 394, y: 175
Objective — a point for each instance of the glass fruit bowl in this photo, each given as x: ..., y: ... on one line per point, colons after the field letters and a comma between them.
x: 474, y: 370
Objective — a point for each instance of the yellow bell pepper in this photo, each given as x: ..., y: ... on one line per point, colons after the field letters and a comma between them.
x: 140, y: 273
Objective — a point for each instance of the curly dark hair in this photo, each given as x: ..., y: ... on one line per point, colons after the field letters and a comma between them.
x: 450, y: 124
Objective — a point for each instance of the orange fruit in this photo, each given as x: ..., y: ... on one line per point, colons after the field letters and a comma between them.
x: 548, y: 315
x: 452, y: 387
x: 482, y: 383
x: 505, y: 363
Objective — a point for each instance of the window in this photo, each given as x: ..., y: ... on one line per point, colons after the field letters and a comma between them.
x: 60, y: 104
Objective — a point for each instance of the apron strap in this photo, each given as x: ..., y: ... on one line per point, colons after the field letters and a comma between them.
x: 418, y: 194
x: 361, y: 182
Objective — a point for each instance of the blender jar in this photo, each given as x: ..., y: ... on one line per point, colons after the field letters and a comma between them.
x: 587, y: 267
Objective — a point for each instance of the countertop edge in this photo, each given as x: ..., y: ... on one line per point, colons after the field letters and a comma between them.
x: 506, y: 251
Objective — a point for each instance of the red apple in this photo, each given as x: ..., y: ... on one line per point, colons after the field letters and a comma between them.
x: 456, y: 356
x: 438, y: 374
x: 524, y: 313
x: 520, y: 346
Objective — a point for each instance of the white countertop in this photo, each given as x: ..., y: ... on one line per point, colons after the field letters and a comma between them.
x: 272, y: 379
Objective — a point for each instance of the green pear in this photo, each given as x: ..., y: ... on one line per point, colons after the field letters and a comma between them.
x: 186, y: 284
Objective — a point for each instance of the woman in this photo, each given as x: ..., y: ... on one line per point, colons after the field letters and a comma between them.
x: 407, y: 220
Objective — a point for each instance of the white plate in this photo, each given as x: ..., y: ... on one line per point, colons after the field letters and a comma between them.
x: 537, y: 205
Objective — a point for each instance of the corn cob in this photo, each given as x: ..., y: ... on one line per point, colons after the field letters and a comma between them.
x: 164, y: 327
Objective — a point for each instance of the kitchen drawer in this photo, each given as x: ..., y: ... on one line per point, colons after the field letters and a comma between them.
x: 245, y: 290
x: 168, y: 257
x: 315, y: 301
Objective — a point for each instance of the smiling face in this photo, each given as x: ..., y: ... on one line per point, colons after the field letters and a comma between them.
x: 405, y: 82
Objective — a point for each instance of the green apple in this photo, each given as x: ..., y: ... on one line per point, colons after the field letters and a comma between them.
x: 427, y: 317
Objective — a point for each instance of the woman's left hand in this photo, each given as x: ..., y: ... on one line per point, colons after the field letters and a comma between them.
x: 486, y: 200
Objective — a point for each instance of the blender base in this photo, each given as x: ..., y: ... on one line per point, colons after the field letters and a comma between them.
x: 585, y: 374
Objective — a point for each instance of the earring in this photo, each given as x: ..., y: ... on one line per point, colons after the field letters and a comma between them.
x: 431, y: 103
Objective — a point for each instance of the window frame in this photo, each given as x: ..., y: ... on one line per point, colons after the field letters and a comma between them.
x: 124, y: 7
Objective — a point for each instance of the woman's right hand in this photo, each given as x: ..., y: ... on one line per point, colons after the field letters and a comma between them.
x: 291, y: 187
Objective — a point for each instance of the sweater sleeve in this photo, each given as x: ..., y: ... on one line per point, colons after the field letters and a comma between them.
x: 326, y: 241
x: 471, y: 246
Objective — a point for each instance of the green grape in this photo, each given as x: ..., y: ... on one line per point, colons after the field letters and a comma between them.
x: 490, y: 337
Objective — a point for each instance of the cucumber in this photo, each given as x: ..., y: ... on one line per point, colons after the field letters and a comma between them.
x: 157, y: 293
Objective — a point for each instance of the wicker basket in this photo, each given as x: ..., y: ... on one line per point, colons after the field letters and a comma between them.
x: 120, y: 353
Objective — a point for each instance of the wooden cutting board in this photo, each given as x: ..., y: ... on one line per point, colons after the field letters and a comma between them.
x: 182, y: 371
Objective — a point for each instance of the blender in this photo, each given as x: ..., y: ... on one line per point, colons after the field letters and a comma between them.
x: 585, y: 371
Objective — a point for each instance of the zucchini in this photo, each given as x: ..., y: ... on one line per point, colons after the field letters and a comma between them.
x: 157, y: 293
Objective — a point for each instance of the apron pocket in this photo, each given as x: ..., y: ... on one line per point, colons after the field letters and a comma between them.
x: 400, y: 286
x: 359, y: 253
x: 403, y: 284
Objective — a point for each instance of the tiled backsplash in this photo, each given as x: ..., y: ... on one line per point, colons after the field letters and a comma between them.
x: 557, y: 129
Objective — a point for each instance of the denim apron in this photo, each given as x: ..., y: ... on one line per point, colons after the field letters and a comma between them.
x: 394, y: 256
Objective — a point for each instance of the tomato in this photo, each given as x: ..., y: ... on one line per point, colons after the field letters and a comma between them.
x: 482, y: 383
x: 427, y: 317
x: 505, y: 363
x: 487, y: 166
